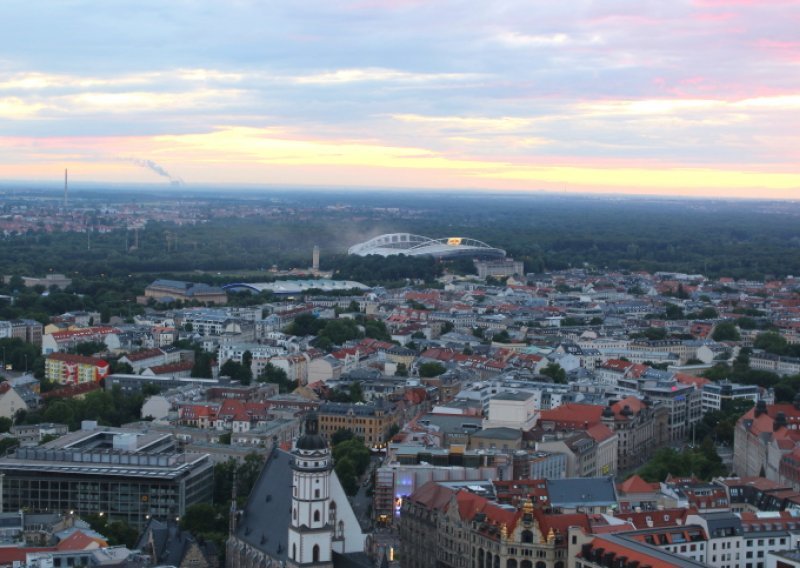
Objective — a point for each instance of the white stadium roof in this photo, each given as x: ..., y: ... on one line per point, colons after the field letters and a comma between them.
x: 416, y: 245
x: 295, y: 286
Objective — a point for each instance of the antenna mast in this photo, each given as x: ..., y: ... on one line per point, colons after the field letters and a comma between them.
x: 65, y: 187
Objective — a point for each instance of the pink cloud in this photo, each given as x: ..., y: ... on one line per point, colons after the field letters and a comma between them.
x: 726, y: 3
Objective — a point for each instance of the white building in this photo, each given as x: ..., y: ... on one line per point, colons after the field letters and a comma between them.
x: 512, y: 410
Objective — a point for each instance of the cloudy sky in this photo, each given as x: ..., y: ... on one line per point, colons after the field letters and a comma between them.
x: 696, y: 97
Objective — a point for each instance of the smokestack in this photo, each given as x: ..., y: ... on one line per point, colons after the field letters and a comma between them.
x: 65, y: 187
x: 315, y: 259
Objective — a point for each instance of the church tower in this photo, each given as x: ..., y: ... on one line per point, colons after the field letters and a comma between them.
x: 311, y: 531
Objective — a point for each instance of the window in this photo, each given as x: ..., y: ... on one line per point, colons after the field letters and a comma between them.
x: 315, y: 553
x: 316, y: 516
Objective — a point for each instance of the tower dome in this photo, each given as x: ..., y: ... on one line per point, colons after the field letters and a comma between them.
x: 311, y: 439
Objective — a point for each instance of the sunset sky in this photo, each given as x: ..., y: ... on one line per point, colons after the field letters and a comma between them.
x: 689, y: 97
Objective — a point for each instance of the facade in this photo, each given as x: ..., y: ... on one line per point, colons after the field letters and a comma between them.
x: 641, y: 427
x: 58, y: 280
x: 443, y: 527
x: 69, y: 369
x: 495, y: 268
x: 60, y: 341
x: 165, y: 290
x: 715, y: 394
x: 370, y: 421
x: 512, y: 410
x: 121, y: 474
x: 33, y: 434
x: 683, y: 403
x: 27, y: 330
x: 763, y: 361
x: 10, y: 401
x: 765, y: 442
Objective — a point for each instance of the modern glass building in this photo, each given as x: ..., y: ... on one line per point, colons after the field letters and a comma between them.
x: 125, y: 475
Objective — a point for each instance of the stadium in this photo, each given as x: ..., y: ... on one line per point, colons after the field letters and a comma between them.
x: 417, y: 245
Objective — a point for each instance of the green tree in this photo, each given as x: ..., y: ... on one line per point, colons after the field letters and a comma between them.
x: 402, y: 370
x: 202, y: 518
x: 346, y: 472
x: 431, y: 369
x: 89, y: 348
x: 501, y: 337
x: 342, y: 435
x: 6, y: 444
x: 5, y: 424
x: 355, y: 451
x: 276, y: 375
x: 725, y: 331
x: 62, y: 412
x: 772, y: 342
x: 247, y: 366
x: 702, y: 461
x: 394, y: 429
x: 305, y: 324
x: 356, y: 393
x: 655, y: 333
x: 202, y: 366
x: 708, y: 313
x: 673, y: 312
x: 555, y: 372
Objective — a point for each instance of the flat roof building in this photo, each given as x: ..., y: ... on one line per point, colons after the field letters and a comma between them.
x: 125, y: 475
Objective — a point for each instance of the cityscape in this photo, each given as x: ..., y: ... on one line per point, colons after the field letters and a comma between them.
x: 400, y: 284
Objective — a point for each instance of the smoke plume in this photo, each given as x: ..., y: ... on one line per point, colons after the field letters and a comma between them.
x: 154, y: 167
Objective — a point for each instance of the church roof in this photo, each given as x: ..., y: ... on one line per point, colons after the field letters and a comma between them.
x: 264, y: 521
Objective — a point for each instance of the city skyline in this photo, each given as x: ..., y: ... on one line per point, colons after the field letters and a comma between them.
x: 696, y: 98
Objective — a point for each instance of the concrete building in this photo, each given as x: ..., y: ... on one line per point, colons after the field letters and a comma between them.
x: 122, y: 474
x: 715, y: 394
x: 499, y: 268
x: 516, y: 410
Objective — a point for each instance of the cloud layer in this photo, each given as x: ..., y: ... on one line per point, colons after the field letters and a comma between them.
x: 698, y: 97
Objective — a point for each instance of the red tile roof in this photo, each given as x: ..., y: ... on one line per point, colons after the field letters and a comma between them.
x: 77, y: 359
x: 172, y: 368
x: 144, y: 354
x: 635, y: 484
x: 599, y: 432
x: 573, y: 414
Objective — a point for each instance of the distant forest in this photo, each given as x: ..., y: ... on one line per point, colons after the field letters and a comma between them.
x: 749, y: 239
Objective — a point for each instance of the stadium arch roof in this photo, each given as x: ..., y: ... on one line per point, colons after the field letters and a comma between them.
x: 416, y: 245
x: 280, y: 287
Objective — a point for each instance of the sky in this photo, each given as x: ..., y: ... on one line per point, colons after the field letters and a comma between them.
x: 678, y: 97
